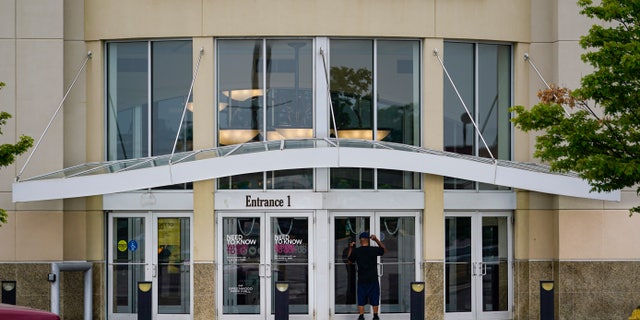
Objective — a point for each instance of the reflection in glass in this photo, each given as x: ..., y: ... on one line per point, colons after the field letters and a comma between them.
x: 394, y: 179
x: 242, y: 181
x: 128, y: 262
x: 391, y: 67
x: 130, y: 113
x: 241, y: 89
x: 351, y: 178
x: 241, y: 265
x: 398, y: 90
x: 351, y: 73
x: 127, y: 100
x: 265, y: 93
x: 488, y: 99
x: 138, y: 125
x: 398, y: 263
x: 173, y: 265
x: 125, y: 287
x: 495, y: 282
x: 346, y: 230
x: 494, y: 99
x: 290, y: 179
x: 172, y: 73
x: 458, y: 264
x: 290, y: 260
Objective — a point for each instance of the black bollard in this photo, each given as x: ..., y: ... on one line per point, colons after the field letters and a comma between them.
x: 417, y: 301
x: 144, y: 300
x: 9, y: 292
x: 282, y: 301
x: 546, y: 300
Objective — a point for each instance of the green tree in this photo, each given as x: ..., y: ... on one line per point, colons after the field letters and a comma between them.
x: 8, y: 151
x: 595, y: 130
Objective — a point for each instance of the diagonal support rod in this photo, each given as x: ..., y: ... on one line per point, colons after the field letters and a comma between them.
x: 475, y: 125
x: 186, y: 104
x: 55, y: 114
x: 333, y: 117
x: 527, y: 58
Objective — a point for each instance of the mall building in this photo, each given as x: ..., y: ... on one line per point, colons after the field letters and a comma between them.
x: 216, y: 147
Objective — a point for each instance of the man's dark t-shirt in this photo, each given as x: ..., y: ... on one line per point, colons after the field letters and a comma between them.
x: 366, y: 259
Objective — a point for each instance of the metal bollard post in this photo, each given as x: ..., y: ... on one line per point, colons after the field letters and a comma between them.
x: 9, y: 292
x: 282, y: 301
x: 417, y: 301
x: 144, y: 300
x: 546, y: 300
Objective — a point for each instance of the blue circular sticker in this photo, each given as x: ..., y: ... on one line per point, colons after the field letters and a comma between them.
x: 133, y: 245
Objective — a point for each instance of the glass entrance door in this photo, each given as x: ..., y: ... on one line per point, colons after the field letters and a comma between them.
x: 396, y: 269
x: 150, y: 247
x: 478, y: 271
x: 258, y: 250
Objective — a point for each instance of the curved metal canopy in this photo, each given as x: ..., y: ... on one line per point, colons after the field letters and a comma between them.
x: 99, y: 178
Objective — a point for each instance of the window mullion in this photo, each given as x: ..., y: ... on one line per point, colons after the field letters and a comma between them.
x: 149, y: 100
x: 476, y: 88
x: 374, y: 101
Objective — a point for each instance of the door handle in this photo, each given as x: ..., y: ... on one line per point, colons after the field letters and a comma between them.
x: 264, y: 270
x: 479, y: 269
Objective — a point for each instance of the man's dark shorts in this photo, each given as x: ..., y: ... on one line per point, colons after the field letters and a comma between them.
x: 369, y: 292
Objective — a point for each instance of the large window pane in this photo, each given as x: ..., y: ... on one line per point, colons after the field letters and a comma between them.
x: 172, y: 73
x: 147, y: 87
x: 352, y: 85
x: 459, y: 134
x: 482, y: 76
x: 127, y: 100
x: 241, y: 90
x: 277, y: 74
x: 458, y: 264
x: 289, y: 89
x: 398, y: 104
x: 351, y: 178
x: 389, y: 71
x: 398, y: 91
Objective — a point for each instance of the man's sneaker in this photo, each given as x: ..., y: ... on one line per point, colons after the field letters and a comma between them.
x: 361, y: 317
x: 376, y: 317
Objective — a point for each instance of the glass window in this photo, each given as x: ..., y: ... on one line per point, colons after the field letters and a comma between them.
x: 482, y: 75
x: 389, y: 71
x: 265, y: 90
x: 147, y: 87
x: 265, y: 93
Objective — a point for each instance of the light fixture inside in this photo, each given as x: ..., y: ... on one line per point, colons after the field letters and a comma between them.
x: 365, y: 134
x: 236, y: 136
x: 295, y: 133
x: 243, y: 94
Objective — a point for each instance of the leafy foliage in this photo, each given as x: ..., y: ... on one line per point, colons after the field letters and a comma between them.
x: 595, y: 130
x: 8, y: 151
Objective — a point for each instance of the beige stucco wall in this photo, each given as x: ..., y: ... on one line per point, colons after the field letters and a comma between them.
x: 32, y: 64
x: 549, y: 227
x: 411, y: 18
x: 203, y: 121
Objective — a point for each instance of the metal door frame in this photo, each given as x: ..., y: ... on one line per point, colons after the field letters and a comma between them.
x: 150, y: 260
x: 478, y: 265
x: 374, y: 217
x: 265, y: 263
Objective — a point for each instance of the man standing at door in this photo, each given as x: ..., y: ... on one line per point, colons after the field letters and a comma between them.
x: 366, y: 258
